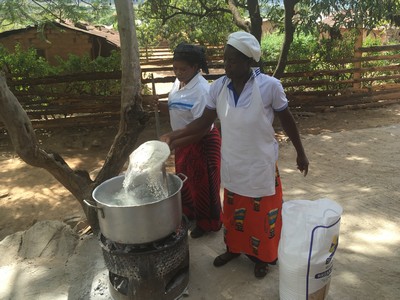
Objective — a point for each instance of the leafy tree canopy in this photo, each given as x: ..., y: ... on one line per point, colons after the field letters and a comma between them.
x: 202, y: 21
x: 185, y: 20
x: 347, y: 13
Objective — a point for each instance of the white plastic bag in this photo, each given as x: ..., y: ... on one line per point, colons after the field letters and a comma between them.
x: 309, y: 239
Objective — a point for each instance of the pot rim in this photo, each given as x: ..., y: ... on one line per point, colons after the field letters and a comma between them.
x: 102, y: 204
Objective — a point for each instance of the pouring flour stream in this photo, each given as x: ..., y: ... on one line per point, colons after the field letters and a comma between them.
x: 145, y: 179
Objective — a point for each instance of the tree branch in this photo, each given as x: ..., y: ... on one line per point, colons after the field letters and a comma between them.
x: 180, y: 11
x: 160, y: 9
x: 25, y: 144
x: 289, y: 33
x: 237, y: 18
x: 49, y: 11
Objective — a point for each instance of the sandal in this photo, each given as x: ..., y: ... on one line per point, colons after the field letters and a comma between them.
x: 260, y: 269
x: 223, y: 259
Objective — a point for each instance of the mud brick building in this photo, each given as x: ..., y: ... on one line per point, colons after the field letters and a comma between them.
x: 61, y: 40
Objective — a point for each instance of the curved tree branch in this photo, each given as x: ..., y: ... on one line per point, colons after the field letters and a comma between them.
x: 289, y: 33
x: 49, y: 11
x: 25, y: 144
x: 237, y: 18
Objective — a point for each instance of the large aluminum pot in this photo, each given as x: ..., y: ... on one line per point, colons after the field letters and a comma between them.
x: 142, y: 223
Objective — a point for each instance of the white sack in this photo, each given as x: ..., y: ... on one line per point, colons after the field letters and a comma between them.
x: 309, y: 239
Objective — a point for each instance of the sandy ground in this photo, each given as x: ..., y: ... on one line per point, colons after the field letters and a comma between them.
x: 354, y: 161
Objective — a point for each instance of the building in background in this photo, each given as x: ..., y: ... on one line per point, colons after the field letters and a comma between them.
x: 61, y: 40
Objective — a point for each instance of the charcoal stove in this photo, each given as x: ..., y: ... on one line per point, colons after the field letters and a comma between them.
x: 158, y: 270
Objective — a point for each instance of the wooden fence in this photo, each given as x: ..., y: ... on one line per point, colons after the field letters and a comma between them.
x: 372, y: 79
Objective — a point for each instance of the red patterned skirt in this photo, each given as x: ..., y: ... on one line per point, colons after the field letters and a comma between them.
x: 253, y: 225
x: 201, y: 163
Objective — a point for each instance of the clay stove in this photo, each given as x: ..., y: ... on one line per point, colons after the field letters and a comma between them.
x: 158, y: 270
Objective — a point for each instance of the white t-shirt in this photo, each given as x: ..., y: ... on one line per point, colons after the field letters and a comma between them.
x: 188, y: 103
x: 272, y: 93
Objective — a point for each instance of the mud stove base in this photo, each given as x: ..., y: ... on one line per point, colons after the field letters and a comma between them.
x: 157, y: 270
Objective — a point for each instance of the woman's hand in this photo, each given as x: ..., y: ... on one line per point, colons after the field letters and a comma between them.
x: 166, y: 138
x: 302, y: 164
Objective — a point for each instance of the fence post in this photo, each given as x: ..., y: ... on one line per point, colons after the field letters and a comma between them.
x: 358, y: 54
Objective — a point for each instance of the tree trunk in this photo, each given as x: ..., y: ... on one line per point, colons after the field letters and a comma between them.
x: 256, y: 24
x: 255, y: 19
x: 132, y: 122
x: 289, y: 33
x: 133, y: 118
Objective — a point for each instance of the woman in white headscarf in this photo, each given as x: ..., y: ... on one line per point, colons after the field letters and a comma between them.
x: 245, y: 101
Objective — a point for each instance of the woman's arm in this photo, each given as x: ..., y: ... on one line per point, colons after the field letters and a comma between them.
x: 290, y: 128
x: 192, y: 132
x: 162, y: 106
x: 186, y: 140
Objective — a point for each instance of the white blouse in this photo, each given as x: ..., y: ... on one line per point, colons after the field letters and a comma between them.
x: 187, y: 104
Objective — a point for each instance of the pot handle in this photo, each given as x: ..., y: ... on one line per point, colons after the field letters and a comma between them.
x: 183, y: 175
x: 95, y: 207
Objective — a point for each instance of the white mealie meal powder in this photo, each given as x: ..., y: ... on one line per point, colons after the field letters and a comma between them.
x: 143, y: 181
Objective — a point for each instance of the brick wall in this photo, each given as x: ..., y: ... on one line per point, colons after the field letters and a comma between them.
x: 51, y: 43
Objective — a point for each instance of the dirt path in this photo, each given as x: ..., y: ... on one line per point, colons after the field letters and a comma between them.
x: 354, y: 160
x: 29, y: 194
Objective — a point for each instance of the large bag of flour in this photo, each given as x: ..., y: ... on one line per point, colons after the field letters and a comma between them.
x: 309, y: 239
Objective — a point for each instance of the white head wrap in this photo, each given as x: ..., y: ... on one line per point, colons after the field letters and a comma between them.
x: 245, y: 43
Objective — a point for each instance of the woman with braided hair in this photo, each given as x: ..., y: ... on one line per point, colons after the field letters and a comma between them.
x: 199, y: 161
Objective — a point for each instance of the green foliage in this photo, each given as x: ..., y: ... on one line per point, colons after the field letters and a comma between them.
x: 148, y: 32
x: 26, y: 64
x: 202, y: 22
x: 98, y: 12
x: 321, y: 54
x: 345, y: 13
x: 29, y: 64
x: 271, y: 46
x: 75, y: 64
x: 274, y: 12
x: 16, y: 14
x: 332, y: 55
x: 78, y: 64
x: 336, y: 49
x: 303, y: 47
x: 371, y: 41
